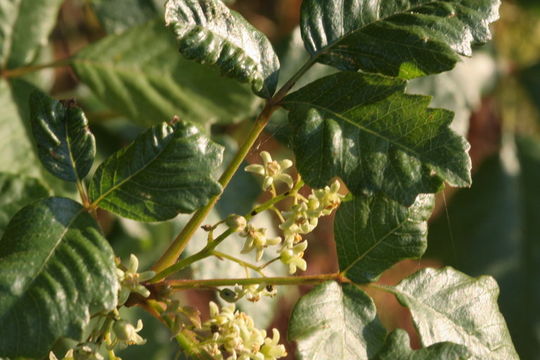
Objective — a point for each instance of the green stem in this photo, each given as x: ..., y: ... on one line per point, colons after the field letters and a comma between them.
x: 287, y: 280
x: 178, y: 245
x: 240, y: 262
x: 209, y: 248
x: 17, y: 72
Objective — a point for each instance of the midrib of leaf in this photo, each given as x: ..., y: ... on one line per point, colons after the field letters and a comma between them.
x: 362, y: 128
x: 9, y: 42
x: 53, y: 249
x: 73, y: 162
x: 96, y: 202
x: 395, y: 291
x: 379, y: 19
x: 376, y: 244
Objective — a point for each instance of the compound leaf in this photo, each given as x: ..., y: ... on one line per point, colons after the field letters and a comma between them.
x: 447, y: 305
x: 56, y: 270
x: 364, y: 129
x: 24, y: 28
x: 397, y: 348
x: 139, y: 74
x: 167, y: 170
x: 408, y: 38
x: 373, y: 233
x: 17, y: 191
x: 210, y: 33
x: 66, y: 147
x: 336, y: 322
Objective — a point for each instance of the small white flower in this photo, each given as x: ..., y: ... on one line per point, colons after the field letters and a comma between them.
x: 328, y: 199
x: 130, y: 280
x: 256, y: 239
x: 125, y: 334
x: 294, y: 257
x: 298, y: 220
x: 272, y: 349
x: 272, y: 171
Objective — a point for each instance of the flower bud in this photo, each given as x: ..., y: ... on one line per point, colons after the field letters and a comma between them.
x: 236, y: 223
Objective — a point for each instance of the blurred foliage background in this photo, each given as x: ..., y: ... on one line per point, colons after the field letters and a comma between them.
x: 492, y: 228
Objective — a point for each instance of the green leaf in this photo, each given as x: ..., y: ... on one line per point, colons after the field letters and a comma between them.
x: 18, y: 155
x: 117, y: 16
x: 56, y: 270
x: 24, y: 28
x: 447, y: 305
x: 408, y: 38
x: 459, y: 90
x: 493, y: 229
x: 210, y: 33
x: 373, y: 233
x: 66, y: 147
x: 17, y: 191
x: 167, y: 170
x: 139, y: 74
x: 336, y: 322
x: 397, y: 348
x: 364, y: 129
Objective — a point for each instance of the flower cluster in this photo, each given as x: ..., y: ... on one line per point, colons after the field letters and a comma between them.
x: 233, y: 336
x: 130, y: 280
x: 303, y: 219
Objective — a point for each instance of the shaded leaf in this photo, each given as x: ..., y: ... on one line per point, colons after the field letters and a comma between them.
x: 530, y: 79
x: 167, y: 170
x: 139, y: 74
x: 56, y: 270
x: 364, y: 129
x: 336, y: 322
x: 447, y: 305
x: 397, y: 348
x: 493, y: 229
x: 18, y: 155
x: 17, y: 191
x: 373, y: 233
x: 66, y: 147
x: 117, y: 16
x: 407, y: 38
x: 210, y: 33
x: 24, y: 28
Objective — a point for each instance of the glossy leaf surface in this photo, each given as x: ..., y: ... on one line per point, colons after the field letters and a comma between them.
x: 407, y: 38
x: 209, y: 33
x: 66, y: 147
x: 24, y: 28
x: 140, y: 75
x: 447, y: 305
x: 17, y: 191
x: 336, y: 322
x: 169, y: 169
x: 56, y: 270
x: 397, y: 348
x: 373, y: 233
x: 364, y: 129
